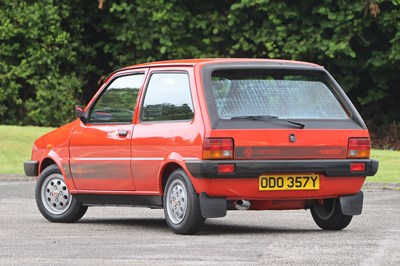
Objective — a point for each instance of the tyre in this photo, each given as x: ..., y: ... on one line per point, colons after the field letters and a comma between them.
x: 328, y: 216
x: 53, y: 198
x: 181, y: 205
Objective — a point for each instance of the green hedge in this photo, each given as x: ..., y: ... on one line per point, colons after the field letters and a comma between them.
x: 53, y: 53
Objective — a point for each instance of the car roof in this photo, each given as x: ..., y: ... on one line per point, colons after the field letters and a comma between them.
x: 207, y: 61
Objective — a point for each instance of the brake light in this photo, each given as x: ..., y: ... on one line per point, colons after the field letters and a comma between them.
x: 359, y: 148
x: 214, y: 149
x: 357, y: 167
x: 226, y: 168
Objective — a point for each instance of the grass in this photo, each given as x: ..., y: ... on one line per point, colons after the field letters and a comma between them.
x: 389, y: 166
x: 16, y: 143
x: 16, y: 147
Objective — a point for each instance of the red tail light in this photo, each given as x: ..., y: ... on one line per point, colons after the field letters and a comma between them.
x: 359, y: 148
x: 217, y: 149
x: 357, y: 167
x: 226, y: 168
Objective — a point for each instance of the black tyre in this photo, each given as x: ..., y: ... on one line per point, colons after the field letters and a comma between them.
x: 181, y: 205
x: 53, y: 198
x: 328, y: 216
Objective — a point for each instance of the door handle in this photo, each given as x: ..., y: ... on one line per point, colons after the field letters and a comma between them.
x: 123, y: 132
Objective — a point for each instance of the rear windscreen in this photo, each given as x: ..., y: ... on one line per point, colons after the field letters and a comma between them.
x: 284, y: 94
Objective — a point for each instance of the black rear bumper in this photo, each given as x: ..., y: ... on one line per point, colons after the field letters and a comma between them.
x: 253, y: 169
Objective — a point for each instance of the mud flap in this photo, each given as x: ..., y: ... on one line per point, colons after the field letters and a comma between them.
x: 212, y: 207
x: 352, y: 205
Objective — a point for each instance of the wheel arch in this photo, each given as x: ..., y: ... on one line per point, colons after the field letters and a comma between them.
x: 53, y: 158
x: 171, y: 163
x: 46, y: 163
x: 166, y: 172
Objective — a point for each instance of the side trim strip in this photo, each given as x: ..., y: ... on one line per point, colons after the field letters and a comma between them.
x: 127, y: 200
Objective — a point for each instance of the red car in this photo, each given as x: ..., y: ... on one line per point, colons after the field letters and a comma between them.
x: 200, y: 137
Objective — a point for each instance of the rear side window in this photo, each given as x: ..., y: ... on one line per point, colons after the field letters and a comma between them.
x: 274, y: 93
x: 168, y: 98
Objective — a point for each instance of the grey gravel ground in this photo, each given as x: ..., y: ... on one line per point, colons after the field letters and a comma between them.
x: 14, y: 177
x: 140, y: 236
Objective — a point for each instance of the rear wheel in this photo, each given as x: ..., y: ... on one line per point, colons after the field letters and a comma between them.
x: 181, y: 204
x: 327, y: 214
x: 53, y: 198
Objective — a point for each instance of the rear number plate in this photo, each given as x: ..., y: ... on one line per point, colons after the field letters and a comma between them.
x: 289, y: 182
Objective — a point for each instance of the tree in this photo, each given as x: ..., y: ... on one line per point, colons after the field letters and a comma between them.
x: 37, y: 84
x: 52, y: 53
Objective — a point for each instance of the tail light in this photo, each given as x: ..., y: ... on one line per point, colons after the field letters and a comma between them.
x: 357, y: 167
x: 217, y: 149
x: 226, y: 168
x: 359, y: 148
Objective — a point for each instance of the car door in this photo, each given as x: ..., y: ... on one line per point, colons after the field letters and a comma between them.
x: 100, y: 151
x: 168, y: 128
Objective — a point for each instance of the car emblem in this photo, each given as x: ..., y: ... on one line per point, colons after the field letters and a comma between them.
x: 292, y: 138
x: 248, y: 152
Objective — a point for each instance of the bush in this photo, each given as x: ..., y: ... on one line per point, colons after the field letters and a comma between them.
x: 52, y: 53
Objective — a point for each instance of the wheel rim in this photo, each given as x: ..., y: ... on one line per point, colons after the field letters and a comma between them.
x: 55, y: 195
x: 176, y: 201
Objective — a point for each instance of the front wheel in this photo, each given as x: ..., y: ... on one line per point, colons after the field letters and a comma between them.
x: 327, y: 214
x: 181, y: 204
x: 53, y: 198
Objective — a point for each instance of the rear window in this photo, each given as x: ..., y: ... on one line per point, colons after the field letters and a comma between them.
x: 284, y: 94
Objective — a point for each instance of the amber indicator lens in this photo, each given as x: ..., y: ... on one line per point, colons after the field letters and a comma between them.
x: 218, y: 148
x: 359, y: 148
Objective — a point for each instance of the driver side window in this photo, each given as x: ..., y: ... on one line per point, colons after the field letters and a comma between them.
x: 117, y: 102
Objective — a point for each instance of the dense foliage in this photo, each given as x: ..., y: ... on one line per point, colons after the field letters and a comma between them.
x: 53, y: 53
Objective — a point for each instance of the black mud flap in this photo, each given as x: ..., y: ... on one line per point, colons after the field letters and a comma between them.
x: 352, y: 205
x: 212, y: 207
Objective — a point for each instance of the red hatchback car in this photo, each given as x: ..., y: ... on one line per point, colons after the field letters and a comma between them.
x: 200, y: 137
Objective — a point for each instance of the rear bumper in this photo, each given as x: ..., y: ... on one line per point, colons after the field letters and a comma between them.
x: 31, y: 168
x: 253, y: 169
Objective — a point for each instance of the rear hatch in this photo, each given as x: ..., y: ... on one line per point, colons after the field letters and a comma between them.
x: 283, y: 113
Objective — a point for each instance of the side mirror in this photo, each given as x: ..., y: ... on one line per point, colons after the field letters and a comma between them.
x: 80, y: 112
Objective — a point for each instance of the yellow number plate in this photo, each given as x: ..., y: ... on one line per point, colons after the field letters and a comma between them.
x: 289, y: 182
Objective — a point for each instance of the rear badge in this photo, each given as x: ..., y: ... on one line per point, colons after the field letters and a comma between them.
x: 292, y: 138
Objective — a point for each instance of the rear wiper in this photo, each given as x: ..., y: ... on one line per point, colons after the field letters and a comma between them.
x: 266, y: 117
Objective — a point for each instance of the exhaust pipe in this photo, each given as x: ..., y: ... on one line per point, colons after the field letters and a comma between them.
x: 242, y: 205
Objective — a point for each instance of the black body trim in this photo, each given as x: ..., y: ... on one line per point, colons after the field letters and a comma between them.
x: 125, y: 200
x: 255, y: 168
x: 31, y: 168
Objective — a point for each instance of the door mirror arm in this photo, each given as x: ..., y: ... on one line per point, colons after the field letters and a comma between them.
x: 80, y: 112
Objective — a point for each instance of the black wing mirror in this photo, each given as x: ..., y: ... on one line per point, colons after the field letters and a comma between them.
x: 80, y: 112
